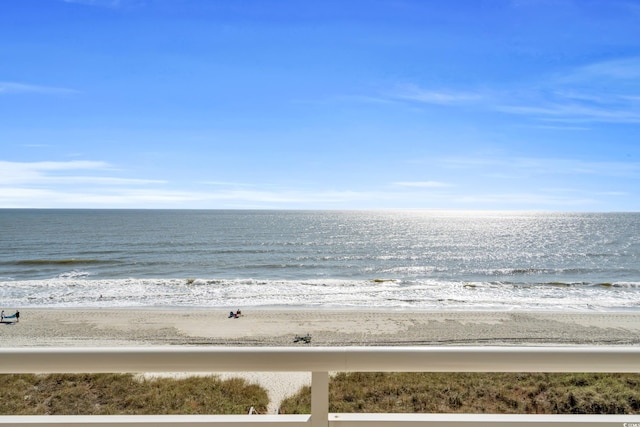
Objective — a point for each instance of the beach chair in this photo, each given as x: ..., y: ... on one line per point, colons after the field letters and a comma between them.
x: 15, y: 316
x: 305, y: 339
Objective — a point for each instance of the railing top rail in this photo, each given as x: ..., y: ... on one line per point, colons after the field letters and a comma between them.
x: 288, y: 359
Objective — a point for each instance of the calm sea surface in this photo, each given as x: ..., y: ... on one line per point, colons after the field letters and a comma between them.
x: 432, y: 260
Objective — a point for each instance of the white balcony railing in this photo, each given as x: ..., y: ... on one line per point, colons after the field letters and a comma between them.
x: 320, y: 361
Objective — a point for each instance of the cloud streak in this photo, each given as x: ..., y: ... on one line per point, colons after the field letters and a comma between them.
x: 614, y: 109
x: 422, y: 184
x: 604, y: 92
x: 10, y: 88
x: 548, y: 166
x: 443, y: 97
x: 63, y: 185
x: 623, y: 69
x: 52, y: 173
x: 110, y: 4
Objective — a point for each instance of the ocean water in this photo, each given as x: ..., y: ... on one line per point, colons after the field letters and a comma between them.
x: 431, y: 260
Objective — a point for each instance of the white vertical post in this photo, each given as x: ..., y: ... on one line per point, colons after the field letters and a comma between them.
x: 319, y: 399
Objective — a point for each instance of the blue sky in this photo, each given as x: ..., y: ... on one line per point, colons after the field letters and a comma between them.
x: 294, y: 104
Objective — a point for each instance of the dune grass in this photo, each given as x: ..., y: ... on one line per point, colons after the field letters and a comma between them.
x: 126, y: 394
x: 530, y: 393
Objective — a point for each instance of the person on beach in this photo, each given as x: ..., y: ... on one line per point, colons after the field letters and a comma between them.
x: 16, y: 316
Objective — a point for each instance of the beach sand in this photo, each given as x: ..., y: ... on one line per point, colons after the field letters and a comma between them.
x: 200, y: 327
x: 148, y: 327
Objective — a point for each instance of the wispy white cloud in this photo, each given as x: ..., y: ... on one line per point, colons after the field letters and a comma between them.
x: 93, y: 184
x: 434, y: 96
x: 414, y: 197
x: 526, y: 200
x: 563, y: 127
x: 285, y: 196
x: 104, y: 197
x: 97, y: 3
x: 604, y: 92
x: 546, y: 166
x: 96, y: 184
x: 422, y: 184
x: 607, y: 91
x: 228, y: 184
x: 622, y: 69
x: 24, y: 172
x: 51, y: 173
x: 7, y: 88
x: 102, y: 180
x: 615, y: 110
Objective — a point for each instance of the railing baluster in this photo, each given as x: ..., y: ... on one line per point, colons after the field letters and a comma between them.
x: 319, y: 399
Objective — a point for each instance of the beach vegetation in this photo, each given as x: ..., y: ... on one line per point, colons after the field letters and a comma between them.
x: 497, y: 393
x: 127, y: 394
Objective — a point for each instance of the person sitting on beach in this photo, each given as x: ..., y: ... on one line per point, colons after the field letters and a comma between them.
x: 235, y: 315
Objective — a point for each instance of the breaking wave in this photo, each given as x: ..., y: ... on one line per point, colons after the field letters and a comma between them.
x: 77, y: 290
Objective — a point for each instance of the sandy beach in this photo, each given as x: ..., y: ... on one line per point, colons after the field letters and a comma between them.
x: 151, y: 327
x: 148, y: 327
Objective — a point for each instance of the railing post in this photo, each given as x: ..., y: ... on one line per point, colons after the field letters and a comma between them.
x: 319, y: 399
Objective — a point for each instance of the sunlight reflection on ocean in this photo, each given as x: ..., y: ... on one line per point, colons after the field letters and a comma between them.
x: 359, y: 259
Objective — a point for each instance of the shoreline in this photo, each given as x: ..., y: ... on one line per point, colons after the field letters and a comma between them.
x: 89, y: 327
x: 330, y: 308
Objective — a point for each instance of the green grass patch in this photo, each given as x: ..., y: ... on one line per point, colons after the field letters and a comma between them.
x: 126, y: 394
x: 496, y: 393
